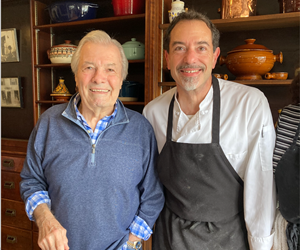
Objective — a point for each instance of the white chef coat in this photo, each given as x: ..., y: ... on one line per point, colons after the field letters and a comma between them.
x: 247, y: 137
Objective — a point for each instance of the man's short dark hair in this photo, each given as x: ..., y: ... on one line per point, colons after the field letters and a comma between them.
x: 192, y: 15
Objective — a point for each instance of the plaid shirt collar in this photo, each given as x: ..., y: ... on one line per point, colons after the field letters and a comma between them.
x: 101, y: 125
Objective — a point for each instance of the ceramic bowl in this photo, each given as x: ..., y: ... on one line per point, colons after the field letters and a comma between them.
x: 277, y: 75
x: 134, y: 50
x: 221, y: 76
x: 250, y: 61
x: 71, y: 11
x: 62, y: 53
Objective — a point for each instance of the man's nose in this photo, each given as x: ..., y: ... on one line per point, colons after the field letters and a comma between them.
x: 99, y: 76
x: 190, y: 56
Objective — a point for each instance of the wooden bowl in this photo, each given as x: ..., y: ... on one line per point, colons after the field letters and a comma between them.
x: 250, y: 61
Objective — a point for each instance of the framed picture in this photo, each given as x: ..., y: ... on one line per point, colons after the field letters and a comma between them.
x: 9, y: 46
x: 11, y: 94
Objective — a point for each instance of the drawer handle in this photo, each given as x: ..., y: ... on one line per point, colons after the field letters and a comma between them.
x: 11, y: 239
x: 10, y: 212
x: 8, y: 163
x: 9, y: 185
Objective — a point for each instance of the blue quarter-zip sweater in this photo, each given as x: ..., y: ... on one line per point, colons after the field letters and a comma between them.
x: 95, y: 190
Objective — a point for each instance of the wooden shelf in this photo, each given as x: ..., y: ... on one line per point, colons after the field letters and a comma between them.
x: 264, y: 82
x: 133, y: 103
x: 245, y: 82
x: 281, y: 20
x: 50, y: 102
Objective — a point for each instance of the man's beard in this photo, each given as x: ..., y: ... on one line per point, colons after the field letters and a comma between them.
x: 190, y: 83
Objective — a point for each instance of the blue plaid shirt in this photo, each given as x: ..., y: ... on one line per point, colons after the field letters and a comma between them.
x: 138, y: 227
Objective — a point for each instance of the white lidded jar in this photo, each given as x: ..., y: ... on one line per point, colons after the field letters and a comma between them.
x: 177, y: 8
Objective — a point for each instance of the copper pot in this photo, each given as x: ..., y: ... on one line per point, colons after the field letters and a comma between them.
x: 238, y: 8
x: 250, y: 61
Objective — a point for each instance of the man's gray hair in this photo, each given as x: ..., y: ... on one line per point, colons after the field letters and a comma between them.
x: 101, y: 37
x: 192, y: 15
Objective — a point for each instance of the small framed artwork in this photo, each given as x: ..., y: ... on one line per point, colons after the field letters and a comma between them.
x: 11, y: 92
x: 9, y: 46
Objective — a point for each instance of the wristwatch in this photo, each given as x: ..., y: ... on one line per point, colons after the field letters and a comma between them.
x: 134, y: 244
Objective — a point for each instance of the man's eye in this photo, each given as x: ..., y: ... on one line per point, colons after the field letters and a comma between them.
x: 111, y: 70
x: 202, y: 48
x: 179, y: 48
x: 88, y: 69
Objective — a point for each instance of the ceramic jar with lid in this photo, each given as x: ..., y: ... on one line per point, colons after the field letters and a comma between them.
x: 250, y: 61
x: 177, y: 8
x: 62, y: 53
x: 61, y: 92
x: 134, y: 50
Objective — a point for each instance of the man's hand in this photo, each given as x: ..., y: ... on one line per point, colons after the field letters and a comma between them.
x: 52, y: 236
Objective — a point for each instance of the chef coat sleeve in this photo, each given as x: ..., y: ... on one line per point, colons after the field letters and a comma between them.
x: 259, y: 186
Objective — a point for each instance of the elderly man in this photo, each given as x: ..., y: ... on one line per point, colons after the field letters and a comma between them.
x: 89, y: 179
x: 216, y: 141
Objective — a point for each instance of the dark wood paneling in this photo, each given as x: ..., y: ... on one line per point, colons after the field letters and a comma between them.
x: 17, y: 123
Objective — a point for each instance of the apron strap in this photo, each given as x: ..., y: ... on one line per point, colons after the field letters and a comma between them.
x: 216, y: 111
x: 170, y: 119
x: 296, y: 135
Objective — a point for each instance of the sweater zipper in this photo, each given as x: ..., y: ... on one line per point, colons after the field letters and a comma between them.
x: 93, y: 154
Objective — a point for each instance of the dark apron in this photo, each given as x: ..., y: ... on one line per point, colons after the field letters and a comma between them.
x: 287, y: 182
x: 204, y: 194
x: 287, y: 178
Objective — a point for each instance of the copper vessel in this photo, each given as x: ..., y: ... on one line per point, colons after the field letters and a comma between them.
x: 287, y: 6
x: 250, y: 61
x: 238, y: 8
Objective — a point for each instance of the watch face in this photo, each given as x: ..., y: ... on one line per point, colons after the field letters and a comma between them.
x: 138, y: 245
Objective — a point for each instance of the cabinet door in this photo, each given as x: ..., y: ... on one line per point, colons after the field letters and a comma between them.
x: 11, y: 163
x: 10, y: 188
x: 15, y: 239
x: 13, y: 214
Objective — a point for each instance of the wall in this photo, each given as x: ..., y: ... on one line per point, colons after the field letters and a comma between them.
x: 17, y: 123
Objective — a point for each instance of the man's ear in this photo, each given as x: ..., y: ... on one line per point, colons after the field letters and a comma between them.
x: 167, y: 58
x: 215, y: 57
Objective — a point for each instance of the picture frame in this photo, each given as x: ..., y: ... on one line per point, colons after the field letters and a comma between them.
x: 11, y: 92
x: 9, y: 46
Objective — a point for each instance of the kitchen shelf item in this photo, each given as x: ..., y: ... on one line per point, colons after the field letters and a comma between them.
x: 62, y: 53
x: 238, y: 8
x: 277, y: 75
x: 128, y: 7
x: 61, y: 92
x: 134, y: 50
x: 250, y: 61
x: 72, y: 11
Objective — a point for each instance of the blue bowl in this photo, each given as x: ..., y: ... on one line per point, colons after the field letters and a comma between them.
x: 72, y: 11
